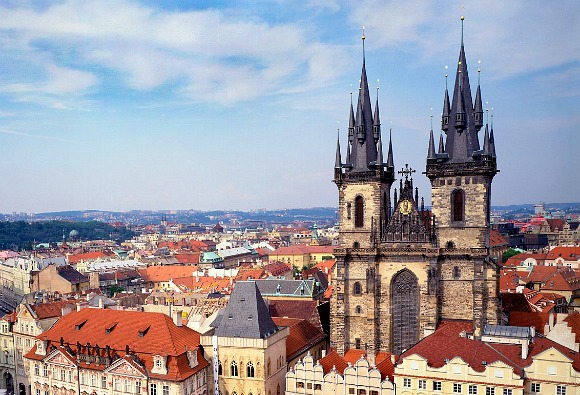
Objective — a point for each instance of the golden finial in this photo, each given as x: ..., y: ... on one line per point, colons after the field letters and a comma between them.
x: 462, y: 18
x: 363, y: 31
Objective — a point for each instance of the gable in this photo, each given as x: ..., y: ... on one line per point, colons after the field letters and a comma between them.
x: 125, y: 368
x: 552, y: 354
x: 58, y: 358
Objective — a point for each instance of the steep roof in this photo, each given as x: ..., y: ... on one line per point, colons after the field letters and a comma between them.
x: 71, y: 275
x: 156, y: 274
x: 303, y: 335
x: 246, y: 314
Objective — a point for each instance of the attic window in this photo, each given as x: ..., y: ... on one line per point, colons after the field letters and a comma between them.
x: 109, y: 328
x: 242, y: 299
x: 80, y: 325
x: 250, y: 317
x: 143, y: 331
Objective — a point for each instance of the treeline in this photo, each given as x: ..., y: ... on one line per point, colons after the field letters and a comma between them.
x: 22, y: 235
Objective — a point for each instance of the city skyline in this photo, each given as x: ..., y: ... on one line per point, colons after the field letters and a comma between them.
x: 223, y: 106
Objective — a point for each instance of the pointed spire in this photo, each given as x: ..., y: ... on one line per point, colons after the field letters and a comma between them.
x: 351, y: 122
x: 486, y: 148
x: 441, y: 145
x: 446, y: 107
x: 431, y: 152
x: 491, y: 139
x: 348, y: 154
x: 338, y: 161
x: 478, y: 107
x: 380, y: 152
x: 395, y: 197
x: 376, y: 120
x: 390, y: 161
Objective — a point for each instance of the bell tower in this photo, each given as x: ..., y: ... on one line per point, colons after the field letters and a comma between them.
x: 461, y: 174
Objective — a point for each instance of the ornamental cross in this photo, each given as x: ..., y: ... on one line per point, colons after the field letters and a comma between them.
x: 407, y: 171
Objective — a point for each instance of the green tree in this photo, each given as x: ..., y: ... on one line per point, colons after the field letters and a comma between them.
x: 508, y: 254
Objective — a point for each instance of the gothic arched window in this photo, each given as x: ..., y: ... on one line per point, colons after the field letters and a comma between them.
x: 234, y: 368
x: 220, y: 371
x: 357, y: 288
x: 405, y: 312
x: 250, y: 369
x: 358, y: 310
x: 359, y: 212
x: 458, y: 205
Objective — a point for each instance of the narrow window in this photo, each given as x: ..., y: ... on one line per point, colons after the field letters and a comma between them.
x: 358, y: 212
x: 234, y: 369
x: 456, y: 272
x: 250, y: 370
x: 357, y: 288
x: 458, y: 205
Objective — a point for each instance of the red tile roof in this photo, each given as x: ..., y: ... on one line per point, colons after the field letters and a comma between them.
x: 50, y: 309
x: 496, y: 239
x: 332, y: 360
x: 536, y: 319
x: 162, y: 337
x: 157, y: 274
x: 567, y: 253
x: 303, y: 335
x: 573, y: 321
x: 86, y: 256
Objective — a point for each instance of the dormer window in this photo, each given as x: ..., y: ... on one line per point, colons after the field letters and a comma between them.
x: 159, y: 364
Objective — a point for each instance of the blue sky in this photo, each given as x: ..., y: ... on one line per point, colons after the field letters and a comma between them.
x: 120, y: 105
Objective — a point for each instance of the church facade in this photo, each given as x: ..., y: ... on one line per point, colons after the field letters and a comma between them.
x: 400, y: 268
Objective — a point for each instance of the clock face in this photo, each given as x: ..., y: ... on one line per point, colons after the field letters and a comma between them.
x: 405, y: 207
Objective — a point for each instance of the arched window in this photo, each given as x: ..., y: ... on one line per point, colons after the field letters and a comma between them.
x: 457, y: 200
x: 405, y: 310
x: 268, y: 367
x: 359, y: 212
x: 234, y: 368
x: 450, y: 245
x: 358, y: 310
x: 357, y: 288
x: 220, y: 372
x: 250, y: 369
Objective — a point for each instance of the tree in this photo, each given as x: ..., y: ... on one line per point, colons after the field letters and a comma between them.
x: 508, y: 254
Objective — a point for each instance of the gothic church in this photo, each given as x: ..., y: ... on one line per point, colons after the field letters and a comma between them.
x: 401, y: 269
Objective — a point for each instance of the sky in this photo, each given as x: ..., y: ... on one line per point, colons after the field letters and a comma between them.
x: 154, y: 105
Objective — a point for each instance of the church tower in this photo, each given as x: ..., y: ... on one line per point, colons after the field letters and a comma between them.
x: 461, y: 174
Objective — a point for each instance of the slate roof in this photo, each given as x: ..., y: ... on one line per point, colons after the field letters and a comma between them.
x: 71, y: 275
x: 246, y: 314
x: 274, y: 286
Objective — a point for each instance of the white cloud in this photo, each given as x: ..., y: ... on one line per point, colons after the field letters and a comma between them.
x: 214, y: 55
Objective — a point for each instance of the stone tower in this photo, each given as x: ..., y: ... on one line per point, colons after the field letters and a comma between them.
x: 461, y: 174
x: 401, y: 269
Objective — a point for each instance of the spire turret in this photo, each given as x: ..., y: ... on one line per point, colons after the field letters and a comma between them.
x: 486, y: 147
x: 441, y: 145
x: 431, y: 153
x: 380, y: 153
x: 338, y: 160
x: 351, y: 122
x: 478, y: 107
x: 390, y: 161
x: 491, y: 140
x: 446, y: 109
x: 377, y: 120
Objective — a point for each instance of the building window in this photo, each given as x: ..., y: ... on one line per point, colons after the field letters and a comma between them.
x: 422, y: 384
x: 552, y: 370
x: 278, y: 390
x: 36, y: 369
x: 152, y: 389
x: 407, y: 383
x: 93, y: 380
x: 103, y: 381
x: 561, y: 390
x: 458, y: 204
x: 351, y: 390
x: 165, y: 390
x: 359, y: 212
x: 234, y: 369
x: 489, y: 391
x: 37, y: 391
x: 507, y: 391
x: 299, y: 384
x: 127, y: 386
x: 437, y: 386
x: 269, y: 367
x: 358, y: 310
x: 405, y: 310
x: 158, y: 363
x: 357, y: 288
x: 318, y: 387
x: 361, y: 392
x: 137, y: 387
x: 472, y: 389
x: 348, y: 210
x: 250, y: 369
x: 456, y: 272
x: 117, y: 384
x: 63, y: 375
x: 220, y: 372
x: 536, y: 387
x: 45, y: 370
x: 456, y: 388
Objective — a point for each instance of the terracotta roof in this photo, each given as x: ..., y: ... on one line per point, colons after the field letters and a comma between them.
x: 301, y: 309
x: 326, y: 266
x: 518, y: 259
x: 567, y: 253
x: 157, y: 274
x: 50, y: 309
x: 303, y: 335
x: 524, y: 318
x: 86, y: 256
x: 302, y: 249
x: 496, y: 239
x: 277, y: 268
x: 160, y: 337
x: 446, y: 343
x: 334, y: 360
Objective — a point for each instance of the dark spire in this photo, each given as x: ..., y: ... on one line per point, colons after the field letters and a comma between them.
x: 390, y: 161
x: 446, y: 108
x: 377, y: 120
x: 364, y: 149
x: 486, y: 148
x: 431, y: 153
x: 491, y: 139
x: 478, y: 107
x: 395, y: 197
x: 338, y: 161
x: 380, y: 152
x: 441, y: 145
x: 351, y: 122
x: 348, y: 153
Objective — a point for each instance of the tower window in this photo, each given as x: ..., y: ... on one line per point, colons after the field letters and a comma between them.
x: 458, y: 204
x: 250, y: 370
x: 358, y: 310
x: 234, y: 369
x: 456, y: 272
x: 357, y: 288
x: 359, y: 212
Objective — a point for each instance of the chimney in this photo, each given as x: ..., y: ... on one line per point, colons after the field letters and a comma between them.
x: 323, y: 353
x: 525, y: 349
x: 551, y: 320
x: 532, y: 331
x: 101, y: 303
x: 178, y: 318
x: 78, y: 307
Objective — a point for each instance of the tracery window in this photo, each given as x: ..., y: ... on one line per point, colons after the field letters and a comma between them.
x: 405, y: 302
x: 250, y: 369
x: 234, y: 368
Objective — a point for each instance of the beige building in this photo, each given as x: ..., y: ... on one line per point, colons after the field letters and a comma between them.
x: 96, y: 351
x: 7, y: 365
x: 63, y: 279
